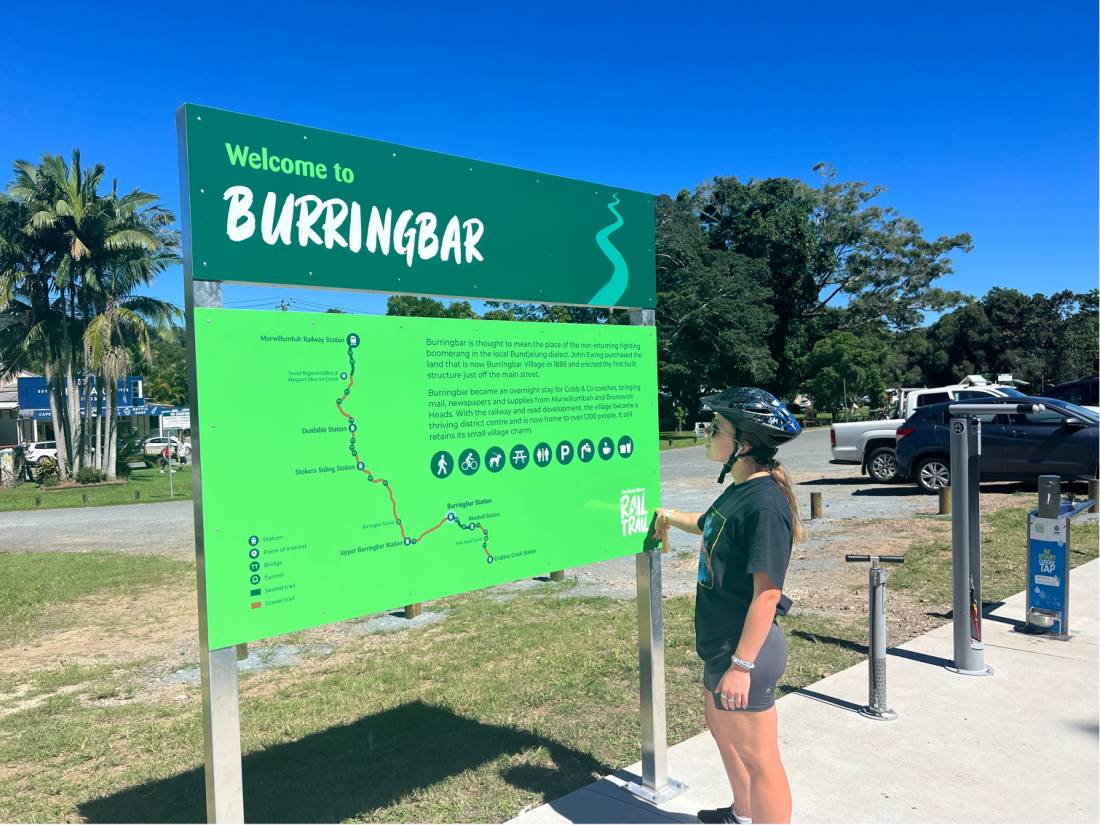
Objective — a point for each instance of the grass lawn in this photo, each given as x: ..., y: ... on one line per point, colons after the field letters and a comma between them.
x: 33, y: 584
x: 927, y: 568
x: 507, y: 701
x: 149, y: 482
x: 680, y: 439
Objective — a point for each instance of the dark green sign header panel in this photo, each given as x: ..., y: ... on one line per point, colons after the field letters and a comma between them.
x: 271, y: 202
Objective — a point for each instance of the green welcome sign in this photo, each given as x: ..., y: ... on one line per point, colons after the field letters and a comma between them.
x: 271, y: 202
x: 352, y: 464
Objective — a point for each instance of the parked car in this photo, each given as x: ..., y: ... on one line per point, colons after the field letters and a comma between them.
x: 155, y: 446
x: 1084, y: 392
x: 871, y: 443
x: 1062, y: 441
x: 40, y: 449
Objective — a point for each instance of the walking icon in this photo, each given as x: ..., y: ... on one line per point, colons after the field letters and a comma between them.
x: 520, y: 456
x: 469, y: 461
x: 442, y: 464
x: 543, y: 454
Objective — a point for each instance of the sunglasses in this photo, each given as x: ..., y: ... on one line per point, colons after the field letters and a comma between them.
x: 713, y: 429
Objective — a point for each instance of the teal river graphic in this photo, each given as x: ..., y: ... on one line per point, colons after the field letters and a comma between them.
x: 614, y: 289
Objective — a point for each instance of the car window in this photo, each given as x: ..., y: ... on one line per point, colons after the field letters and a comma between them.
x: 1081, y: 412
x: 932, y: 398
x: 1012, y: 393
x: 964, y: 395
x: 1052, y: 417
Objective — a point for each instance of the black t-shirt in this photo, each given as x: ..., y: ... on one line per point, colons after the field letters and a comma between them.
x: 746, y: 530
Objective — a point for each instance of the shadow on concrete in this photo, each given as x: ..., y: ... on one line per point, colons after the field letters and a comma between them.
x: 347, y: 771
x: 915, y: 656
x: 843, y: 704
x: 847, y: 644
x: 846, y: 481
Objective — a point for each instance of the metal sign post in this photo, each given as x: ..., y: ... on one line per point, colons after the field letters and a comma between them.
x: 966, y: 539
x: 656, y: 787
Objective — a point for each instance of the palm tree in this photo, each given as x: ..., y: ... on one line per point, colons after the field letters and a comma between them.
x: 142, y: 244
x: 95, y: 235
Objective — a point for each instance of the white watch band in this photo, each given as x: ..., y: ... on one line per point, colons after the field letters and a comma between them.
x: 741, y: 663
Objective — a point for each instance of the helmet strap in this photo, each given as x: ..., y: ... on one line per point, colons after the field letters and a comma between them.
x: 734, y: 456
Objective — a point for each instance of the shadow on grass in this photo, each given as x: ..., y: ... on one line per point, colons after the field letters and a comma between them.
x: 345, y: 771
x: 818, y: 638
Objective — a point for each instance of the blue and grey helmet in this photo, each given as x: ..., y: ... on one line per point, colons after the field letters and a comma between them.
x: 759, y: 415
x: 760, y: 418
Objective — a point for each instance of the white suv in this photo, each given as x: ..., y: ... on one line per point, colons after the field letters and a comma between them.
x: 40, y: 449
x: 155, y: 446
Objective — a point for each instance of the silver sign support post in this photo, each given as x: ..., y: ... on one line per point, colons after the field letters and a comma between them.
x: 221, y: 719
x: 656, y: 787
x: 966, y: 538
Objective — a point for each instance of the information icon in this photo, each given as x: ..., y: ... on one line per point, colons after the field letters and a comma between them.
x: 520, y: 456
x: 494, y: 459
x: 626, y: 447
x: 606, y: 448
x: 586, y: 450
x: 469, y: 462
x: 564, y: 452
x: 543, y: 454
x: 442, y: 464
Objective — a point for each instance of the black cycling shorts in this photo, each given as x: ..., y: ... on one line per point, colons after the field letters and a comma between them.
x: 770, y: 663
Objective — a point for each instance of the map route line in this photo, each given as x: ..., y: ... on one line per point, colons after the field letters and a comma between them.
x: 360, y: 465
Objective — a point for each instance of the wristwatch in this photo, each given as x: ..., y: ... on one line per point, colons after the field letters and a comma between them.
x: 741, y: 663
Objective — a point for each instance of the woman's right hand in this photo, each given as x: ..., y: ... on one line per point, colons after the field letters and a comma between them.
x: 663, y: 522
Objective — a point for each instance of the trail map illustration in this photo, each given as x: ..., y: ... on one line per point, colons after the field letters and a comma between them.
x: 354, y: 464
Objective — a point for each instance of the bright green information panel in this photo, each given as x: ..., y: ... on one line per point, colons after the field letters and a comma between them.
x: 353, y: 464
x: 271, y: 202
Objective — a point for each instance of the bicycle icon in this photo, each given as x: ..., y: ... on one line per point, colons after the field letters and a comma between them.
x: 469, y: 462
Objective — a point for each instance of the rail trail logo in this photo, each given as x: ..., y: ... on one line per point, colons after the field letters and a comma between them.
x: 632, y: 511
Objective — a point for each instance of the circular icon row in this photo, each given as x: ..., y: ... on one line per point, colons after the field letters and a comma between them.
x: 469, y: 461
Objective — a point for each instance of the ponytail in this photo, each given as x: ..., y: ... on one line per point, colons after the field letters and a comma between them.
x: 798, y: 532
x: 764, y: 458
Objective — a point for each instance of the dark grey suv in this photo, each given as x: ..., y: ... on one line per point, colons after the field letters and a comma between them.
x: 1061, y: 441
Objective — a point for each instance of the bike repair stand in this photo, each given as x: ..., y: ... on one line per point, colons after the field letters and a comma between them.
x: 966, y: 536
x: 876, y: 707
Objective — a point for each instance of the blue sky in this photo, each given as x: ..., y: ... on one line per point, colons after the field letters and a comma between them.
x: 977, y: 117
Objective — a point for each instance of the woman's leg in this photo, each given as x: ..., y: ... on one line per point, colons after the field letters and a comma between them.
x: 735, y: 769
x: 754, y: 737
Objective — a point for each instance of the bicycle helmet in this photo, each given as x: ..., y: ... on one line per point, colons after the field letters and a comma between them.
x: 759, y: 417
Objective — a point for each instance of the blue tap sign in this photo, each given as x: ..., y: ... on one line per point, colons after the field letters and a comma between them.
x: 1047, y: 569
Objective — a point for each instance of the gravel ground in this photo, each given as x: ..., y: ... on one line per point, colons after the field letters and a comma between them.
x: 688, y: 482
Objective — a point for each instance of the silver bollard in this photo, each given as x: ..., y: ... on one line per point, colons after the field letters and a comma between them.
x: 876, y: 707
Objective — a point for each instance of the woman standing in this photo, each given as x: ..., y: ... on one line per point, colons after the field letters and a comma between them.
x: 747, y: 536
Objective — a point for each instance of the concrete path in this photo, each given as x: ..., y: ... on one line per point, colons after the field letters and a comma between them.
x: 1018, y: 746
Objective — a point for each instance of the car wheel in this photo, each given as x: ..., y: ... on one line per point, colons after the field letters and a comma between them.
x: 933, y: 474
x: 882, y: 465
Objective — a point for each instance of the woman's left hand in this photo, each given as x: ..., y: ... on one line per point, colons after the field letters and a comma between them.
x: 733, y: 690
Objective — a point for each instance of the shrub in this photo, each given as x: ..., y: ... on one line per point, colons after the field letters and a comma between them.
x: 46, y: 472
x: 89, y: 475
